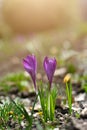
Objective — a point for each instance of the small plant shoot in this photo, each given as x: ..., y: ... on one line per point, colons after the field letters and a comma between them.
x: 67, y: 81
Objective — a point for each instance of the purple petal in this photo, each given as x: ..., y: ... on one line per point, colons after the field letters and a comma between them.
x: 49, y: 67
x: 30, y: 65
x: 32, y: 61
x: 26, y: 65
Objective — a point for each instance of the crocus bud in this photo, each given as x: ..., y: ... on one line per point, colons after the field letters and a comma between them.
x: 49, y: 67
x: 67, y: 78
x: 30, y: 65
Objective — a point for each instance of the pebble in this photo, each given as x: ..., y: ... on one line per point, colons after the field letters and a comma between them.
x: 26, y: 102
x: 56, y: 128
x: 61, y: 118
x: 80, y: 97
x: 23, y: 124
x: 79, y: 124
x: 84, y: 113
x: 60, y: 71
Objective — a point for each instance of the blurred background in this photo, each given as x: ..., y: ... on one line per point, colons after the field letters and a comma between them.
x: 53, y: 29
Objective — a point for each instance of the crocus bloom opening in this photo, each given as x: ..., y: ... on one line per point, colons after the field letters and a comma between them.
x: 30, y: 65
x: 49, y: 67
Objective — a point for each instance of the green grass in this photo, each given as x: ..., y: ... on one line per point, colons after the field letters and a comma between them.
x: 18, y: 80
x: 71, y: 68
x: 10, y: 111
x: 29, y: 118
x: 14, y: 111
x: 83, y: 80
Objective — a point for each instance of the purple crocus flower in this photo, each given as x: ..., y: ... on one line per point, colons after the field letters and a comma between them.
x: 30, y: 65
x: 49, y: 67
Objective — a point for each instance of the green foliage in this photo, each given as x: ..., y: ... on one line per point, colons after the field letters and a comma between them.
x: 83, y: 80
x: 29, y: 118
x: 9, y: 111
x: 18, y: 80
x: 71, y: 68
x: 77, y: 115
x: 17, y: 112
x: 85, y: 87
x: 69, y: 95
x: 47, y: 101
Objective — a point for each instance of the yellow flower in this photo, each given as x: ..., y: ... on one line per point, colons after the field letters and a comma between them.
x: 30, y: 108
x: 22, y: 117
x: 11, y: 113
x: 67, y: 78
x: 40, y: 113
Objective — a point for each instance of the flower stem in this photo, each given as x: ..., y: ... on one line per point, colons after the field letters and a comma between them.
x: 69, y: 95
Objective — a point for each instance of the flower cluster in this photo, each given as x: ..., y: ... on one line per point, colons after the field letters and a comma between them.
x: 49, y: 64
x: 47, y: 97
